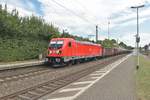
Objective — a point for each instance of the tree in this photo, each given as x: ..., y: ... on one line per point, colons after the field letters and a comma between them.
x: 23, y: 37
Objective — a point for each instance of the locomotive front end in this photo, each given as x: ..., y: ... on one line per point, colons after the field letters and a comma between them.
x: 55, y: 51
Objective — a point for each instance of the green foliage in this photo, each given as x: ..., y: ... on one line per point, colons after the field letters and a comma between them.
x: 20, y: 49
x: 109, y: 43
x: 67, y: 35
x: 23, y: 38
x: 121, y: 44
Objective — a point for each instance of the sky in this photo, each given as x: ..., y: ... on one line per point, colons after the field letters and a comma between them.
x: 80, y: 17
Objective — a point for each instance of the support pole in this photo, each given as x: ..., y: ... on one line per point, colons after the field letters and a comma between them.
x: 96, y: 33
x: 137, y: 36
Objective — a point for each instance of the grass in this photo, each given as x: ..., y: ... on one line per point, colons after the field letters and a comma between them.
x: 143, y: 79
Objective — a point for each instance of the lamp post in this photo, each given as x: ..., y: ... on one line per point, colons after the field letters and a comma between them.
x: 96, y: 33
x: 108, y: 29
x: 65, y: 31
x: 137, y: 35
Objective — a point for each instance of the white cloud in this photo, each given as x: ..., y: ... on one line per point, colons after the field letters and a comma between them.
x: 129, y: 18
x: 23, y: 9
x: 129, y: 38
x: 80, y: 17
x: 96, y: 11
x: 22, y: 12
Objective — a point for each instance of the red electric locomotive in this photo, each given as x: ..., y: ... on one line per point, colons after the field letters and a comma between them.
x: 68, y: 50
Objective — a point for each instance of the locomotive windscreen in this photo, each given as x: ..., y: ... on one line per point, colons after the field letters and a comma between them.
x: 56, y: 44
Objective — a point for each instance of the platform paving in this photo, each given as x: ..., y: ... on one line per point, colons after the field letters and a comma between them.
x: 119, y: 84
x: 20, y: 64
x: 115, y: 82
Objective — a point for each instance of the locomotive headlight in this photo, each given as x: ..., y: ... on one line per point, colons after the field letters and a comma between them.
x: 58, y: 52
x: 50, y: 52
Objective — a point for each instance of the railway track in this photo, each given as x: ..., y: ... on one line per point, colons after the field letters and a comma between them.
x: 23, y: 75
x: 35, y: 92
x: 26, y: 74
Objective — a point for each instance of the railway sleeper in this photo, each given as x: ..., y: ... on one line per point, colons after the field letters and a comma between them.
x: 24, y: 97
x: 52, y: 85
x: 41, y: 90
x: 47, y: 87
x: 34, y: 93
x: 62, y: 81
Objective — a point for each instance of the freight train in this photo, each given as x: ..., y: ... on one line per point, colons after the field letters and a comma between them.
x: 70, y: 51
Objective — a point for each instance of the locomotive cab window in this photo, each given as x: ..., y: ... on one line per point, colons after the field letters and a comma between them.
x: 69, y: 44
x: 56, y: 44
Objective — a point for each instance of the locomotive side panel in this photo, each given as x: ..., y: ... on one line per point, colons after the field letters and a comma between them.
x: 88, y: 50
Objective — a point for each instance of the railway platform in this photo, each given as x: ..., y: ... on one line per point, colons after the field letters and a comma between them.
x: 114, y: 82
x: 20, y: 64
